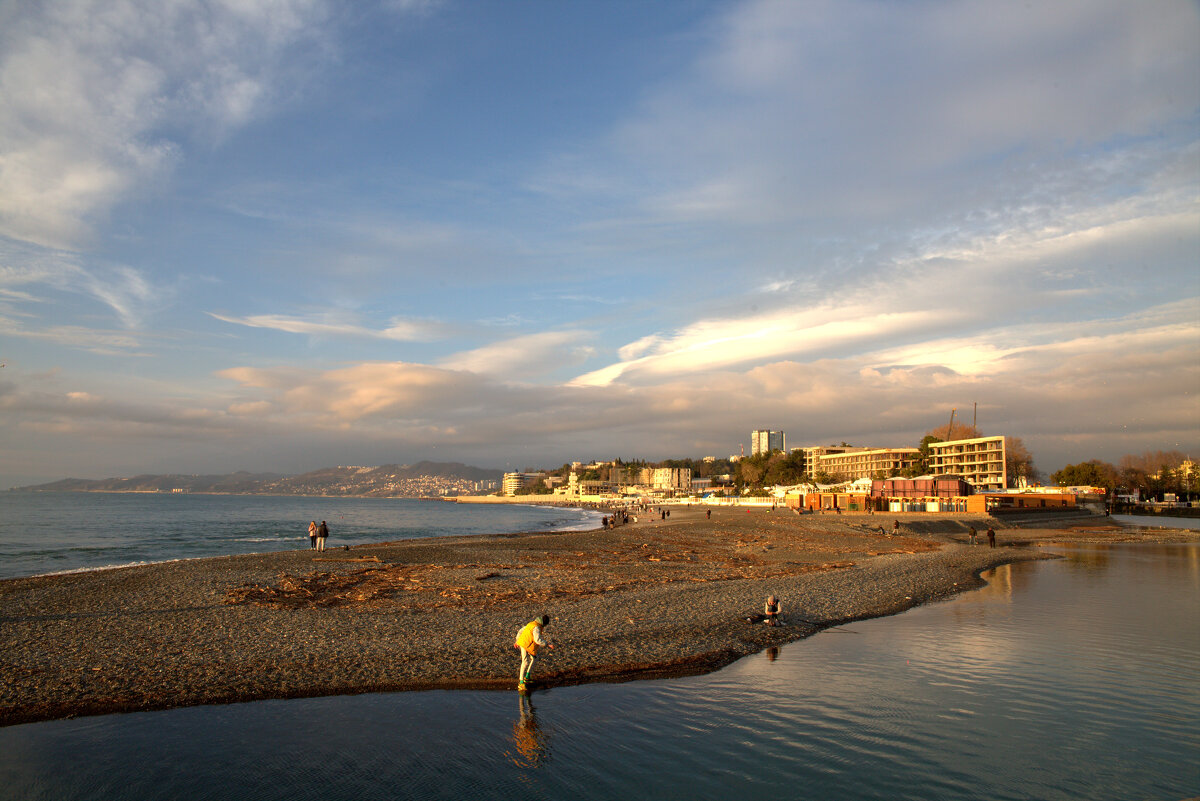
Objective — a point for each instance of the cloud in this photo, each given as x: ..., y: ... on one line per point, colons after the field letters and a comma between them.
x: 127, y: 292
x: 331, y: 325
x: 95, y: 96
x: 524, y: 356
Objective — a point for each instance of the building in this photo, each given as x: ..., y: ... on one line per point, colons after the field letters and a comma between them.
x: 763, y: 441
x: 811, y: 455
x: 667, y: 478
x: 856, y: 463
x: 979, y: 461
x: 517, y: 481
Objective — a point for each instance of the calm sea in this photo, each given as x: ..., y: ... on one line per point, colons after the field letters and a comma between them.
x: 45, y: 532
x: 1071, y: 679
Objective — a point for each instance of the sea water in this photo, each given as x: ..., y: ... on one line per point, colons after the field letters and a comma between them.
x: 46, y: 532
x: 1068, y: 679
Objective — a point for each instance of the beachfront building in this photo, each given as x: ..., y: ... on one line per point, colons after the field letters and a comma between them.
x: 856, y: 463
x: 813, y: 454
x: 978, y: 461
x: 764, y: 441
x: 513, y: 482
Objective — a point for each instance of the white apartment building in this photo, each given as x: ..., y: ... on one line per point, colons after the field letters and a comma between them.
x: 979, y: 461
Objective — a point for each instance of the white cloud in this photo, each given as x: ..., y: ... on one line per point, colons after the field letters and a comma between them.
x: 524, y: 356
x: 95, y: 94
x: 335, y: 325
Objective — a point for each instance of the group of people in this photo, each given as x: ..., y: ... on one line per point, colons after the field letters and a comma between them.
x: 317, y: 534
x: 991, y: 535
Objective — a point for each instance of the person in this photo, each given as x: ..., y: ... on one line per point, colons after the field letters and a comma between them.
x: 322, y: 533
x: 312, y: 535
x: 529, y: 639
x: 896, y: 527
x: 708, y: 514
x: 971, y: 535
x: 991, y: 538
x: 771, y: 611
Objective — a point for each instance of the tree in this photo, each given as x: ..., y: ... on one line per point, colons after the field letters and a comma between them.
x: 1093, y: 473
x: 1018, y: 462
x: 959, y: 431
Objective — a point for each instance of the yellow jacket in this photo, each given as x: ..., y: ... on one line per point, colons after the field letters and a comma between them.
x: 530, y: 637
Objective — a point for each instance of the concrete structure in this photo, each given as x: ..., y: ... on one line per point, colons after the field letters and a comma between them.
x: 764, y: 441
x: 922, y: 488
x: 670, y: 479
x: 857, y: 463
x: 979, y: 461
x: 516, y: 481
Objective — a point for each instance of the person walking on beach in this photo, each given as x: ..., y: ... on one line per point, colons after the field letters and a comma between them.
x: 312, y: 535
x: 529, y: 639
x: 322, y: 533
x: 971, y: 534
x: 771, y: 611
x: 991, y: 538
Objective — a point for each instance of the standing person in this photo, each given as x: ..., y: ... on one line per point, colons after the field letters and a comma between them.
x: 312, y: 535
x: 322, y: 533
x: 971, y: 534
x: 529, y: 639
x: 991, y: 538
x: 896, y: 527
x: 771, y: 611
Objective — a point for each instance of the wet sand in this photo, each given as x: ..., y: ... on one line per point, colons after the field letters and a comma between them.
x: 652, y: 599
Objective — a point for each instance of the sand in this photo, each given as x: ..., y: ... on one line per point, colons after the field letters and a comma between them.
x: 652, y: 599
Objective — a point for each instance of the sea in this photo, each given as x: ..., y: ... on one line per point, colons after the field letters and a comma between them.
x: 56, y: 532
x: 1073, y: 678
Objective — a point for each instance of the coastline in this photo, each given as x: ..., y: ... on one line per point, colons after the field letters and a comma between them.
x: 654, y: 599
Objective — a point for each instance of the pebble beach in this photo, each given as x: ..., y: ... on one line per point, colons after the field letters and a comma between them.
x: 655, y: 598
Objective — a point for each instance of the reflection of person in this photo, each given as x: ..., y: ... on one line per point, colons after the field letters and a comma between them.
x: 529, y: 639
x: 322, y: 534
x: 312, y: 535
x: 528, y: 737
x: 771, y: 611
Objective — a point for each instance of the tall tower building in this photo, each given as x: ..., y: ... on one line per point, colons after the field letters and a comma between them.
x: 764, y: 441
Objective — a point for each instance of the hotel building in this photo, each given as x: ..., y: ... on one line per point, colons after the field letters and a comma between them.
x: 979, y: 461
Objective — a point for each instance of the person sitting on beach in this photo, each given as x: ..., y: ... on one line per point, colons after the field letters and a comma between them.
x: 771, y: 611
x: 529, y: 638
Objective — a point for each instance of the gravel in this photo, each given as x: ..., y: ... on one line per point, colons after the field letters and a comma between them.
x: 652, y: 599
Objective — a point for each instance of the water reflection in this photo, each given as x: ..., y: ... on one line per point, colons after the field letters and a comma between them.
x: 529, y: 740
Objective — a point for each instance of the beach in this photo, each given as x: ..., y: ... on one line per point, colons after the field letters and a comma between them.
x: 652, y: 599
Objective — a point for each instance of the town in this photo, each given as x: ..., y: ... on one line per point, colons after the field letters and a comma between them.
x: 966, y: 474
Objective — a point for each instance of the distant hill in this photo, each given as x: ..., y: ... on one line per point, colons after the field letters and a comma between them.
x: 417, y: 480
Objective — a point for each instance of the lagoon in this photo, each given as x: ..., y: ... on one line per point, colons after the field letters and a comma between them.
x: 1074, y: 678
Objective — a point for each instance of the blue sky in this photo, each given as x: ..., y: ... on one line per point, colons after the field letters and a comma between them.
x: 284, y: 234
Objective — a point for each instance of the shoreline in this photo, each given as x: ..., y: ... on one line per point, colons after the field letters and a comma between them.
x: 648, y: 600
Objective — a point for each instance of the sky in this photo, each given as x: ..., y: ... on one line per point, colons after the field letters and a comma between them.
x: 278, y: 235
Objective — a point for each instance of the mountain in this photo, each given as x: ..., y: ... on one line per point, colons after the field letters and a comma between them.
x: 423, y: 479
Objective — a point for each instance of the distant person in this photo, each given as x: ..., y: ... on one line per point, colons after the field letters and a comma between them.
x: 771, y: 611
x: 991, y: 538
x: 529, y: 639
x: 708, y: 514
x: 322, y: 534
x: 971, y: 534
x: 312, y: 535
x: 896, y: 527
